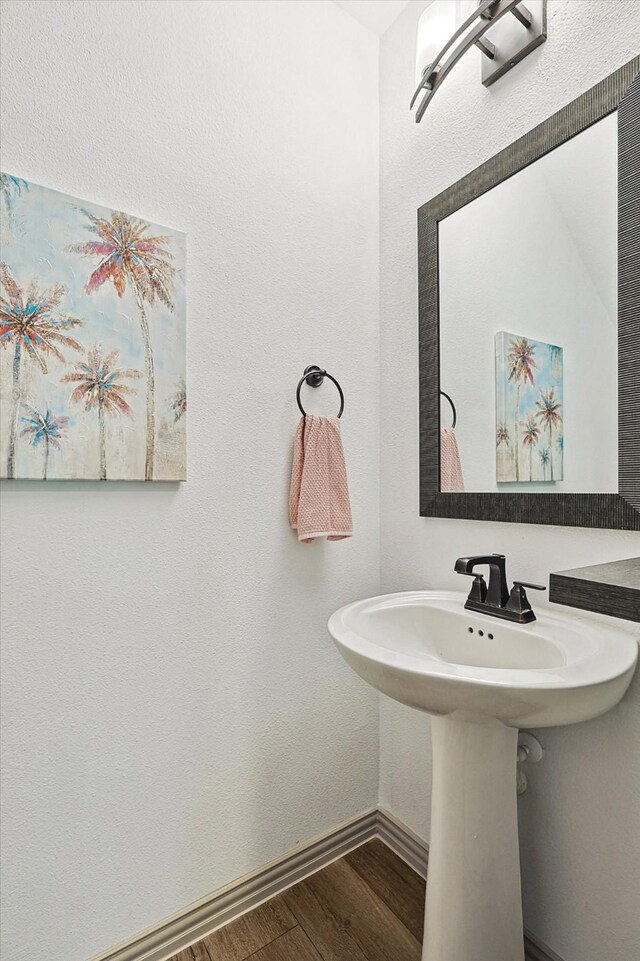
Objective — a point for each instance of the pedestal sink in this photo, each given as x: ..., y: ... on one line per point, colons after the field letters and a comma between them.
x: 482, y: 679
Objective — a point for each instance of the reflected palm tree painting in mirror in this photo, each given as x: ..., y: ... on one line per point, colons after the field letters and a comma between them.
x: 529, y: 410
x: 89, y: 298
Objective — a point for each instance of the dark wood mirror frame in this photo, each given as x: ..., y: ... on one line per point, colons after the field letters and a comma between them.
x: 621, y: 511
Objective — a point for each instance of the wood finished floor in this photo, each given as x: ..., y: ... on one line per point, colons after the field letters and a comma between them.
x: 368, y: 906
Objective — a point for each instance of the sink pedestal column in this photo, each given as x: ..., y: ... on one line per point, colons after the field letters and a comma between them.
x: 474, y: 904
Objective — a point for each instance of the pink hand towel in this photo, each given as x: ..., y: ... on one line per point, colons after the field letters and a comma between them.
x: 451, y: 479
x: 319, y: 499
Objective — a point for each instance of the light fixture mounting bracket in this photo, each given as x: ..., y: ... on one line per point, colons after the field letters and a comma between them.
x: 506, y: 31
x: 514, y: 40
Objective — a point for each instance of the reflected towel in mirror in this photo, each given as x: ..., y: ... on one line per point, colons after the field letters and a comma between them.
x: 451, y: 479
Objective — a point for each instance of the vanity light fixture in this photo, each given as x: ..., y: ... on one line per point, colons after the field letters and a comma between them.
x: 504, y: 40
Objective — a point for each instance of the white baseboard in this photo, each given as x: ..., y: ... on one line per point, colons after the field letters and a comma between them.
x: 201, y: 918
x: 403, y: 841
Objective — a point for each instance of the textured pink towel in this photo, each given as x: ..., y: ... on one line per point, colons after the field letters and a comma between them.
x: 450, y: 468
x: 319, y: 499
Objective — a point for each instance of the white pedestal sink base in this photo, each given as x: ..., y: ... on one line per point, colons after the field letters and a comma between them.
x: 474, y: 904
x: 480, y: 681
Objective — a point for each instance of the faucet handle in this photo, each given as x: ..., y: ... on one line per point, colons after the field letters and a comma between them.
x: 478, y: 590
x: 519, y: 602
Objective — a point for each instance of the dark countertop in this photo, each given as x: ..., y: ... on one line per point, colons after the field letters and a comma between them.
x: 612, y: 588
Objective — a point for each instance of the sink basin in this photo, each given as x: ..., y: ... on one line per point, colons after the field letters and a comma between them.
x: 422, y: 648
x: 481, y: 678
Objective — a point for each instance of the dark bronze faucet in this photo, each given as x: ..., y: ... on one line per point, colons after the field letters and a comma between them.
x: 496, y: 599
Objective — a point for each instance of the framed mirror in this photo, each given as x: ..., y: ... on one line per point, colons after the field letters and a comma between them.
x: 529, y: 294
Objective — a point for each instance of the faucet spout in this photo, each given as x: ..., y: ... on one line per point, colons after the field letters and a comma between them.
x: 496, y: 600
x: 498, y: 591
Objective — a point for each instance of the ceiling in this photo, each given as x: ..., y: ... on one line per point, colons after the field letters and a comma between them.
x: 376, y: 15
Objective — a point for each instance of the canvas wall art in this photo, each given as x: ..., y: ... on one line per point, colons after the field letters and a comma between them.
x: 529, y: 410
x: 92, y: 331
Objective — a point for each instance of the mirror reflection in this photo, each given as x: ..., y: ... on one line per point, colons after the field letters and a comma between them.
x: 533, y: 263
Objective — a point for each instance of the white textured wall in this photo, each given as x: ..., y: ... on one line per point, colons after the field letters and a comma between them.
x: 581, y: 818
x: 175, y: 712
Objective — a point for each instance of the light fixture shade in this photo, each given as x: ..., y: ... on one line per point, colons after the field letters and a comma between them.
x: 436, y: 25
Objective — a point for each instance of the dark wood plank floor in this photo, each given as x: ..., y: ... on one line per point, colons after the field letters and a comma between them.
x: 368, y: 906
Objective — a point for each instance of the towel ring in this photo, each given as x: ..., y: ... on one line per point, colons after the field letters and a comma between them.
x: 314, y: 377
x: 453, y: 408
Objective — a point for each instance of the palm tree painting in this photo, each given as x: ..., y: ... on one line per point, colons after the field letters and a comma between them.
x: 529, y: 386
x: 530, y: 438
x: 128, y: 255
x: 10, y: 188
x: 103, y: 278
x: 502, y: 435
x: 549, y: 415
x: 45, y: 429
x: 503, y: 447
x: 34, y: 330
x: 179, y: 402
x: 521, y: 362
x: 555, y: 355
x: 99, y: 387
x: 545, y: 457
